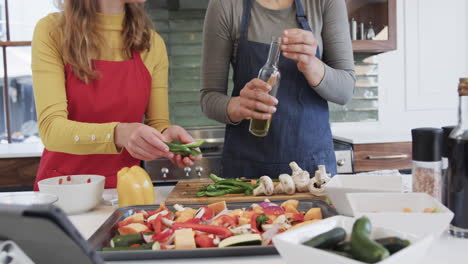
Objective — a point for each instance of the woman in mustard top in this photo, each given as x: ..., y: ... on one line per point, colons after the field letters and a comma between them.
x: 98, y: 71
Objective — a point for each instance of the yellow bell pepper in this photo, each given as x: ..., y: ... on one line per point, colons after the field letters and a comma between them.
x: 134, y: 187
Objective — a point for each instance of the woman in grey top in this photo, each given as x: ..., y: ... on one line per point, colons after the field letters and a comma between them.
x: 316, y: 66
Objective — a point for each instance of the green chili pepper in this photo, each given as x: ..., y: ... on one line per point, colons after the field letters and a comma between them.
x: 236, y: 183
x: 215, y: 178
x: 201, y: 193
x: 196, y: 144
x: 211, y: 188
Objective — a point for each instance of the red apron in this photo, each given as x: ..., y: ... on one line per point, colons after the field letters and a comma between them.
x: 120, y: 94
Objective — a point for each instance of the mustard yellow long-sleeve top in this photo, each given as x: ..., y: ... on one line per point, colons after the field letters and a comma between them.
x: 57, y: 132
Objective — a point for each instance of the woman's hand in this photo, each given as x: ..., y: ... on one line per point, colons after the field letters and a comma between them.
x: 141, y: 141
x: 253, y: 102
x: 301, y: 45
x: 178, y: 133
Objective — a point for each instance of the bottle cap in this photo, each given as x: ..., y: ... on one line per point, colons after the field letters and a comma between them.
x: 447, y: 130
x: 427, y: 144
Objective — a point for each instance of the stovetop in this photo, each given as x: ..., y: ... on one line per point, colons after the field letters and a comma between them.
x: 162, y: 170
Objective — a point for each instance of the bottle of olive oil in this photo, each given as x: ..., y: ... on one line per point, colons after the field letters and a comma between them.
x: 270, y: 74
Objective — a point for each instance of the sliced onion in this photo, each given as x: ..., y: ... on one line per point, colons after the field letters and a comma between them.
x: 148, y: 238
x: 268, y: 204
x: 275, y: 208
x: 268, y: 235
x: 163, y: 212
x: 223, y: 212
x: 170, y: 246
x: 200, y: 212
x: 167, y: 222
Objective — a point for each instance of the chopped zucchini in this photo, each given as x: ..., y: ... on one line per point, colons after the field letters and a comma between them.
x: 241, y: 240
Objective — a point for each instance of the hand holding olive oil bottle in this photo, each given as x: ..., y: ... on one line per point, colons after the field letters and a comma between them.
x: 270, y: 74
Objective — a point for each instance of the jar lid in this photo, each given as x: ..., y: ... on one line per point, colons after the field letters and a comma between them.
x: 447, y: 130
x: 427, y: 144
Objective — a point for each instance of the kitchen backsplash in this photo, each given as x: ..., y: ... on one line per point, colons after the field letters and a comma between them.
x: 182, y: 32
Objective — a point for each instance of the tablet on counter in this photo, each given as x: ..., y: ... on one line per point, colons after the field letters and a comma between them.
x: 44, y: 234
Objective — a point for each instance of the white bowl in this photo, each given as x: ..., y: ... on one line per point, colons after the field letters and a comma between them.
x: 28, y: 198
x: 386, y: 209
x: 289, y: 244
x: 77, y: 195
x: 340, y: 185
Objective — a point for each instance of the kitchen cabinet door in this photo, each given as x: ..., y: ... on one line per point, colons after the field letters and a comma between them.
x: 435, y: 52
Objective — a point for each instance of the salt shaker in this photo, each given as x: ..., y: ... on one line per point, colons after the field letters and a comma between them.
x: 427, y: 161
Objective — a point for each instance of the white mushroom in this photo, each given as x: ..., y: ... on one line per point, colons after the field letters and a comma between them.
x: 300, y: 177
x: 266, y: 186
x: 317, y: 184
x: 286, y: 185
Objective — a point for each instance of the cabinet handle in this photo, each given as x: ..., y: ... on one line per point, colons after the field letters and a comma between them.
x: 399, y: 156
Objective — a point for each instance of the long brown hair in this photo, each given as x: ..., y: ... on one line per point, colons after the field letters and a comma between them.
x: 81, y: 39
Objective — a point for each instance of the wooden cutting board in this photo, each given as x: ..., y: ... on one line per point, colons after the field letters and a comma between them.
x: 185, y: 193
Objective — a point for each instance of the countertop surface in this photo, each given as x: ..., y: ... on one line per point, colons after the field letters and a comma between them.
x: 445, y: 249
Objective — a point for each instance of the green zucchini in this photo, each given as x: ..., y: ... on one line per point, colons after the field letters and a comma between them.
x: 393, y: 244
x: 327, y: 240
x: 362, y: 247
x: 126, y: 240
x: 341, y: 253
x: 149, y: 246
x: 344, y: 246
x: 241, y: 240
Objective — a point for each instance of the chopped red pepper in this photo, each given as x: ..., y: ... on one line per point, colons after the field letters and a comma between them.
x: 211, y: 229
x: 226, y: 219
x: 60, y: 181
x: 204, y: 241
x: 163, y: 236
x: 193, y: 221
x: 209, y: 213
x: 163, y: 247
x: 156, y: 223
x: 68, y: 178
x: 134, y: 245
x: 89, y: 180
x: 253, y: 222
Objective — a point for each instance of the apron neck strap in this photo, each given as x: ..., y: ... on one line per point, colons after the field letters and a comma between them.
x: 244, y: 30
x: 301, y: 16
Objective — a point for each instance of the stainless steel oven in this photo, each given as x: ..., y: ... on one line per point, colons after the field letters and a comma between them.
x: 162, y: 170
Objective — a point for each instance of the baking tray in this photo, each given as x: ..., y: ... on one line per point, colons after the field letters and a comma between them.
x: 108, y: 229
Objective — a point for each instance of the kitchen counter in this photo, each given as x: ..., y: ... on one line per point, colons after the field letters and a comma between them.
x: 372, y: 135
x: 445, y: 249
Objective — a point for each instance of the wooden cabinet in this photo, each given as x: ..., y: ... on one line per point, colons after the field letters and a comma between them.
x: 382, y: 14
x: 382, y: 156
x: 18, y: 173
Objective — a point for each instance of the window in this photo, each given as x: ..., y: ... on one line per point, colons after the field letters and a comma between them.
x: 17, y: 111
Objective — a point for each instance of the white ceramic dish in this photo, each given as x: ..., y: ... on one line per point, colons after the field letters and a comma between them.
x: 28, y: 198
x: 386, y: 210
x: 75, y: 195
x: 340, y: 185
x: 289, y: 244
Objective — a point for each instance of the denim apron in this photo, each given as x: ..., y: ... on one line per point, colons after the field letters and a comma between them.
x: 300, y: 128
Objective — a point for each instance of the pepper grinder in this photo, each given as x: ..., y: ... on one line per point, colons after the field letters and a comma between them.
x: 427, y: 161
x: 353, y: 29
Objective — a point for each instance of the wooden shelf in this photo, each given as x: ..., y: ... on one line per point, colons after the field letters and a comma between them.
x: 382, y: 13
x: 14, y: 43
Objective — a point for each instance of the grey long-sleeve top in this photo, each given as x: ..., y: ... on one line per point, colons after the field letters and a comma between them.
x: 328, y: 20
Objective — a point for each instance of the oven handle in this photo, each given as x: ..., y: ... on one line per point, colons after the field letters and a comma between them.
x: 398, y: 156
